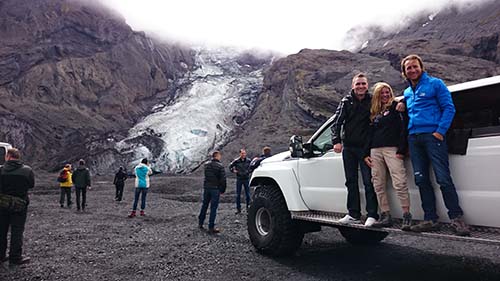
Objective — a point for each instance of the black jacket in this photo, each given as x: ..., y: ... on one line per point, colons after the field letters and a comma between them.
x: 388, y: 129
x: 16, y: 179
x: 81, y: 177
x: 215, y: 177
x: 242, y: 167
x: 354, y: 116
x: 120, y: 178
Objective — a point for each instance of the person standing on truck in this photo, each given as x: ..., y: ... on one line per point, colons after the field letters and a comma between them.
x: 214, y: 184
x: 241, y: 167
x: 386, y: 149
x: 15, y: 181
x: 430, y: 110
x: 81, y: 179
x: 353, y: 117
x: 65, y: 183
x: 142, y: 172
x: 119, y: 182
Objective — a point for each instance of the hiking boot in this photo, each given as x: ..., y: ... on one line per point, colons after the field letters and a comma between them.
x: 459, y: 227
x: 200, y: 226
x: 213, y: 230
x: 132, y: 214
x: 406, y: 223
x: 23, y: 260
x: 142, y: 213
x: 238, y: 212
x: 384, y: 221
x: 425, y: 226
x: 348, y: 220
x: 62, y: 206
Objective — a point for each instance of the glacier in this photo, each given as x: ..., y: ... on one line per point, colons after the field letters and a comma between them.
x: 209, y: 103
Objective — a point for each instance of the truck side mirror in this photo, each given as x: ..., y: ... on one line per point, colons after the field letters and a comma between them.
x: 295, y: 146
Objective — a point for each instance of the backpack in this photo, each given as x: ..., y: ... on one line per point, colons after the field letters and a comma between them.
x: 63, y: 176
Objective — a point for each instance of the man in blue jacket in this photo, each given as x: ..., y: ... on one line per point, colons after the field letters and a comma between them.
x: 430, y: 111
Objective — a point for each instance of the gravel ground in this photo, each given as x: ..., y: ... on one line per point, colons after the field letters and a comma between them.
x: 103, y: 244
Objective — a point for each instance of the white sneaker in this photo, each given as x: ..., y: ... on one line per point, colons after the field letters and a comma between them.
x: 370, y: 221
x: 348, y: 220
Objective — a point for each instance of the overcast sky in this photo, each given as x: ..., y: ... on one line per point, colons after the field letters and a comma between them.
x: 279, y: 25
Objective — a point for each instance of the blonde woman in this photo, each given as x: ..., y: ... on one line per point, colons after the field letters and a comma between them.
x: 386, y: 151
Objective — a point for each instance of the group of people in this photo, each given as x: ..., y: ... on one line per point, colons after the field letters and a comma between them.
x: 375, y: 133
x: 80, y: 178
x: 214, y: 183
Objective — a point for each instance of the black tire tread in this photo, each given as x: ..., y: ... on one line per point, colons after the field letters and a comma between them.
x: 287, y: 236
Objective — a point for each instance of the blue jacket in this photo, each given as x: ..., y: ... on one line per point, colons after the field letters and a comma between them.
x: 430, y: 107
x: 142, y: 173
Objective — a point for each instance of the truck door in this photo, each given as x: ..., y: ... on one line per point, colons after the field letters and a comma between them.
x: 321, y: 177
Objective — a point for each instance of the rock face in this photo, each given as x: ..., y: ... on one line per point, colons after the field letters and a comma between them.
x: 73, y: 78
x: 301, y: 91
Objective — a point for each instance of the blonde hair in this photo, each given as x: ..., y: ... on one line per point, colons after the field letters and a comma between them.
x: 377, y: 105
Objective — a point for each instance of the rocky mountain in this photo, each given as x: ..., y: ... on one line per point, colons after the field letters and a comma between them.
x: 77, y: 82
x: 301, y: 91
x: 74, y: 77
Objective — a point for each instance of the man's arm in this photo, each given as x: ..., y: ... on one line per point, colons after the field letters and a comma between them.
x: 338, y: 121
x: 446, y: 105
x: 222, y: 180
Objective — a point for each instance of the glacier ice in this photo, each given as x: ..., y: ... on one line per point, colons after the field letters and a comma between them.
x: 178, y: 136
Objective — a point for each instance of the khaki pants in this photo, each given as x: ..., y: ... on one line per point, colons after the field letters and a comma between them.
x: 384, y: 158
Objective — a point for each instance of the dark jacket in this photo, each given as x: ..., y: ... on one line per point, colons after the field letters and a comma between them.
x: 81, y: 177
x: 215, y: 177
x: 120, y: 178
x: 242, y: 167
x: 256, y: 161
x: 388, y: 129
x: 354, y: 116
x: 16, y: 179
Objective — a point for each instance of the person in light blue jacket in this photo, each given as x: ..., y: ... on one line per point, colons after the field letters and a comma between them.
x: 142, y: 172
x: 430, y: 111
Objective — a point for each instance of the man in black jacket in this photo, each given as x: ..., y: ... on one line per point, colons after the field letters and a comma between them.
x: 214, y: 185
x: 81, y: 180
x: 119, y: 182
x: 353, y: 115
x: 241, y: 167
x: 16, y: 179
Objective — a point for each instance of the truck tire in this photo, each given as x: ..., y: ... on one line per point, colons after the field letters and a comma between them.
x: 270, y: 226
x: 362, y: 236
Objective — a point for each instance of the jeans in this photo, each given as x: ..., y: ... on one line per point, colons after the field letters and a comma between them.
x: 425, y: 150
x: 65, y: 192
x: 210, y: 196
x: 138, y: 192
x: 239, y: 184
x: 119, y: 191
x: 83, y: 192
x: 16, y: 222
x: 353, y: 158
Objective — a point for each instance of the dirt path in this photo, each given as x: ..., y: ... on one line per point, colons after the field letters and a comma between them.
x: 103, y: 244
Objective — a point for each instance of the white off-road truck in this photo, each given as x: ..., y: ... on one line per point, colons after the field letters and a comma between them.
x: 3, y: 150
x: 300, y: 190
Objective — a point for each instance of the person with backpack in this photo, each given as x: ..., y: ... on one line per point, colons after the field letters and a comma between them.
x: 119, y: 182
x: 142, y: 172
x: 65, y: 183
x: 16, y: 179
x: 81, y: 179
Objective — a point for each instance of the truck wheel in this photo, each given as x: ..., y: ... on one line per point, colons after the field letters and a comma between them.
x: 362, y: 236
x: 270, y: 226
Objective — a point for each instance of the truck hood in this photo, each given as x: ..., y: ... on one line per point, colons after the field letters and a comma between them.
x: 278, y: 157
